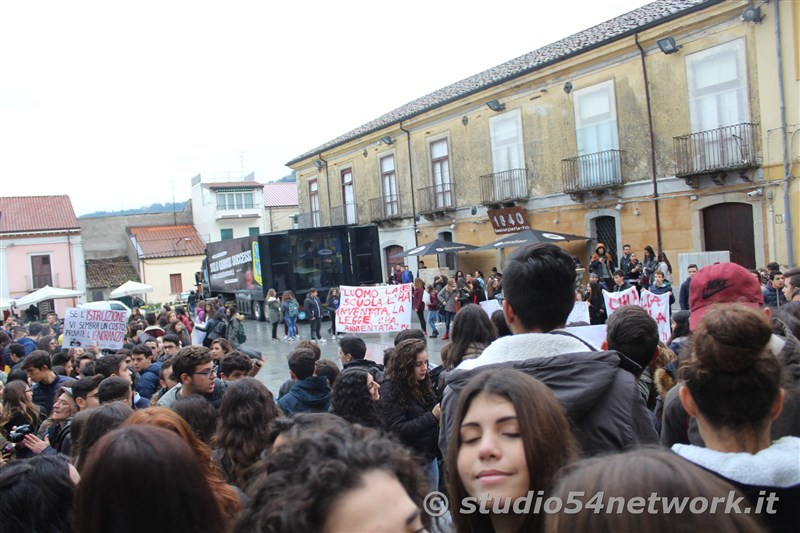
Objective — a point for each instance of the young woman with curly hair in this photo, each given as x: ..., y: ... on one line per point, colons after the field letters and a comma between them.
x: 326, y: 481
x: 226, y: 496
x: 355, y: 398
x: 246, y: 411
x: 409, y: 404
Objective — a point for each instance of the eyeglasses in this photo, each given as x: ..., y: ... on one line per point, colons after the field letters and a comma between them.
x: 206, y: 373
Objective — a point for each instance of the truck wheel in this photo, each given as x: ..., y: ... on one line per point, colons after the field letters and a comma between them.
x: 258, y: 311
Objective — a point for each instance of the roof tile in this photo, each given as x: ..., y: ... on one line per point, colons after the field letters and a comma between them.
x: 36, y: 213
x: 113, y: 272
x: 167, y: 241
x: 559, y: 50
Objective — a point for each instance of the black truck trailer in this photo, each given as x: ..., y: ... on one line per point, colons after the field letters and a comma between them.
x: 244, y: 269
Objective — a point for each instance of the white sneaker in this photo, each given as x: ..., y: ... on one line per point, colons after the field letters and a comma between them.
x: 322, y: 340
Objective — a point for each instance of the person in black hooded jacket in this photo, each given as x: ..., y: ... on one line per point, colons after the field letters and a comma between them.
x: 214, y: 328
x: 596, y: 388
x: 310, y: 393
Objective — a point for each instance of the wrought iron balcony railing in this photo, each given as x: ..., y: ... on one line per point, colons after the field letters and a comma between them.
x: 344, y: 215
x: 727, y: 148
x: 591, y: 172
x: 505, y: 186
x: 436, y: 198
x: 308, y: 220
x: 385, y: 208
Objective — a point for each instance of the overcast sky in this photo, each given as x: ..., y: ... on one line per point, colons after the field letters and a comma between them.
x: 117, y: 104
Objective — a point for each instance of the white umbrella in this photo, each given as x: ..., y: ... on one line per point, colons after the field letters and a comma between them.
x: 6, y: 304
x: 47, y: 293
x: 130, y: 288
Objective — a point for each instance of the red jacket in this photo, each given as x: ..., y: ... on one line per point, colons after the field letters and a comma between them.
x: 416, y: 299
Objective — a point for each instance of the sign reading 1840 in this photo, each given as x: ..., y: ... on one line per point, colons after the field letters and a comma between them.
x: 508, y: 219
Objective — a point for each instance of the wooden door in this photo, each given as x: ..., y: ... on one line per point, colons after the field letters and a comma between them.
x: 730, y: 227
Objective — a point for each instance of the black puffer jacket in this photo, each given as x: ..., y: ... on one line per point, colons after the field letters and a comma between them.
x: 416, y: 426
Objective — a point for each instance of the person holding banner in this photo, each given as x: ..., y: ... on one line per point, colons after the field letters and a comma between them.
x: 597, y: 306
x: 661, y: 286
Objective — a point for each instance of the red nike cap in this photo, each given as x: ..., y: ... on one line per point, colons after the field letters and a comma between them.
x: 722, y: 283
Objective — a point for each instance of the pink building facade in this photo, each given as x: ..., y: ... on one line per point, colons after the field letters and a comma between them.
x: 40, y: 244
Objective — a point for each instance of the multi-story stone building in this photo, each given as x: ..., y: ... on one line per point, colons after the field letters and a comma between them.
x: 665, y: 126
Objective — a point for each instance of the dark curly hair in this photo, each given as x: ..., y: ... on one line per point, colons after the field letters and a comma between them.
x: 188, y: 358
x: 245, y: 414
x: 352, y: 401
x: 306, y: 480
x: 401, y: 372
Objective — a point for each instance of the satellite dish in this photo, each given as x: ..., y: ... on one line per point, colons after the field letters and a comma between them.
x: 752, y: 14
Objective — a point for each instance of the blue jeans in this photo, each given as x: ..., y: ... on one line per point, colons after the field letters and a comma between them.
x: 433, y: 318
x: 291, y: 323
x: 448, y: 317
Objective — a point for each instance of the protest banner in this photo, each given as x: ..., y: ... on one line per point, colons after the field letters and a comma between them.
x: 615, y: 300
x: 104, y: 328
x: 490, y: 306
x: 657, y: 306
x: 579, y: 313
x: 374, y: 309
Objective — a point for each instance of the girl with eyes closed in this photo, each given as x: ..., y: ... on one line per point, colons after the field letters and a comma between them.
x: 510, y: 437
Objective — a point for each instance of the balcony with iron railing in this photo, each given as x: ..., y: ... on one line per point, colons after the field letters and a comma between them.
x: 717, y: 151
x: 342, y: 215
x: 436, y: 198
x: 308, y: 220
x: 592, y: 172
x: 385, y: 208
x: 504, y: 187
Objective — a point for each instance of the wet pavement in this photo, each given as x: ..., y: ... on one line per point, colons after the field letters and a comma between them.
x: 276, y: 367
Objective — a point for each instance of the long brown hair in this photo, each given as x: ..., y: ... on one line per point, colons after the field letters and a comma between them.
x: 227, y: 498
x: 15, y: 400
x: 246, y: 411
x: 546, y: 438
x: 405, y: 385
x: 138, y: 466
x: 471, y: 326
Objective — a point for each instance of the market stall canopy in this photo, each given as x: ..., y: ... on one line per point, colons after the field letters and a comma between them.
x: 129, y: 288
x: 47, y: 293
x: 438, y: 247
x: 530, y: 236
x: 6, y: 303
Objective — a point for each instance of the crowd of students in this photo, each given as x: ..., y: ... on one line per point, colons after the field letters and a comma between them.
x: 524, y: 427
